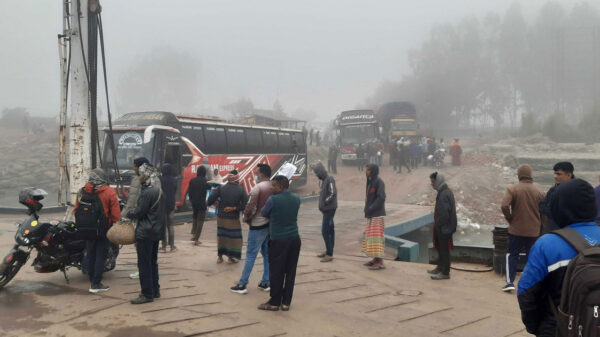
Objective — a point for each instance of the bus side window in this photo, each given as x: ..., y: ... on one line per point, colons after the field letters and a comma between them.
x: 270, y: 141
x: 196, y: 135
x: 254, y: 141
x: 285, y: 142
x: 216, y: 142
x: 235, y: 141
x: 300, y: 142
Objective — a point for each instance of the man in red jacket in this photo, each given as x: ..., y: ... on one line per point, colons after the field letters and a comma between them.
x: 109, y: 213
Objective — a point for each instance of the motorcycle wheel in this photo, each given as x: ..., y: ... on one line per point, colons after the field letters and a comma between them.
x: 9, y: 270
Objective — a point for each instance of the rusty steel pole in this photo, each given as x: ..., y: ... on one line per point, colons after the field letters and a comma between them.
x: 80, y: 139
x: 63, y: 41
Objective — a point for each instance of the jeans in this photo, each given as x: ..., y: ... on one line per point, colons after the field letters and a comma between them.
x: 283, y: 260
x: 147, y: 253
x: 328, y: 231
x: 96, y: 254
x: 198, y: 223
x: 257, y: 240
x: 169, y: 230
x: 516, y: 246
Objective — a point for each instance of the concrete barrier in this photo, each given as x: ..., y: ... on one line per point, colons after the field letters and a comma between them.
x: 406, y: 250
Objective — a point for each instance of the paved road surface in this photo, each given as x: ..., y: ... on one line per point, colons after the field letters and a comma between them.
x: 340, y: 298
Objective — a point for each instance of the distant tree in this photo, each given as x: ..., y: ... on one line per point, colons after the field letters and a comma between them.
x: 15, y: 118
x: 240, y: 108
x: 163, y: 79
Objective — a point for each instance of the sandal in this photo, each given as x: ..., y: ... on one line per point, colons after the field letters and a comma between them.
x: 285, y: 307
x: 369, y: 264
x: 197, y: 243
x: 232, y: 261
x: 268, y: 307
x: 376, y: 267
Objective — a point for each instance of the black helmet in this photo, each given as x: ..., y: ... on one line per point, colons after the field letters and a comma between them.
x: 31, y: 197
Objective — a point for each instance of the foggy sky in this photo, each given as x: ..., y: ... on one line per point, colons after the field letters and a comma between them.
x: 325, y: 56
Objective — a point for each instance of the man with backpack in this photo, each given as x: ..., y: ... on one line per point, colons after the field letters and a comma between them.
x: 96, y: 209
x: 559, y: 293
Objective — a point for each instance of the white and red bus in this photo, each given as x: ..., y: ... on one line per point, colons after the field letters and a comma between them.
x: 184, y: 141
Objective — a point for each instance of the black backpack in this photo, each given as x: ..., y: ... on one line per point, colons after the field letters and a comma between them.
x: 90, y: 219
x: 579, y: 308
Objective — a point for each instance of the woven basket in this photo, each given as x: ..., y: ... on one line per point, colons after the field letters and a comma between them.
x: 121, y: 233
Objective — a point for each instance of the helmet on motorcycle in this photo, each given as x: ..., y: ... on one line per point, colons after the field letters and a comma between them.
x: 31, y: 197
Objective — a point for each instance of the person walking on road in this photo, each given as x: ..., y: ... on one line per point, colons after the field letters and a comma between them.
x: 541, y: 285
x: 168, y: 183
x: 332, y: 159
x: 258, y: 235
x: 403, y: 157
x: 197, y: 193
x: 149, y: 230
x: 563, y: 172
x: 327, y: 206
x: 284, y: 247
x: 521, y: 210
x: 444, y: 225
x: 373, y: 243
x: 96, y: 209
x: 360, y: 155
x: 232, y: 200
x: 455, y: 152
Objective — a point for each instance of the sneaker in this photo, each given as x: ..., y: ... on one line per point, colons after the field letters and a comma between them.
x: 141, y: 300
x: 264, y: 287
x: 98, y: 288
x: 135, y: 275
x: 440, y: 276
x: 327, y: 258
x: 434, y: 271
x: 240, y: 289
x: 508, y: 287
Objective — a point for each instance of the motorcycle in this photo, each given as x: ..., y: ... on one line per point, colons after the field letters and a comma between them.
x: 437, y: 158
x: 57, y: 243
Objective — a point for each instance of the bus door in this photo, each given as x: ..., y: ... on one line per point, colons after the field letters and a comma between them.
x: 171, y: 153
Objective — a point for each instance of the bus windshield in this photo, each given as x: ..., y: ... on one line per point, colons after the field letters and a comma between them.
x: 403, y: 125
x: 358, y: 134
x: 129, y: 145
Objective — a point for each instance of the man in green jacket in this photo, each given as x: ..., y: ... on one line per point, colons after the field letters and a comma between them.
x: 284, y: 246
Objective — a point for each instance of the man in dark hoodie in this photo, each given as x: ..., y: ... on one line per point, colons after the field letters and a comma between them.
x: 444, y: 225
x: 521, y: 210
x: 373, y: 243
x: 563, y: 172
x: 573, y: 206
x: 168, y: 183
x: 197, y: 193
x: 327, y: 206
x: 148, y: 232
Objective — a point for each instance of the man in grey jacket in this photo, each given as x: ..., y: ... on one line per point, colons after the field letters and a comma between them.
x: 327, y: 206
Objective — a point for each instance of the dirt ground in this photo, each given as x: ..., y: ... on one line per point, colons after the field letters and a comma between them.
x: 478, y: 184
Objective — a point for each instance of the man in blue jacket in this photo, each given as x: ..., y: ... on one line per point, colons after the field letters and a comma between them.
x: 573, y: 205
